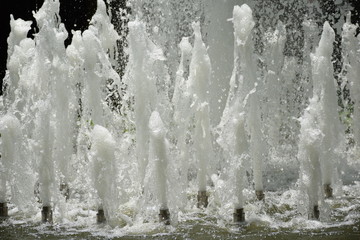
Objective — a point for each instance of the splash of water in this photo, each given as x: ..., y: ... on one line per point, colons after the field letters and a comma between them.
x: 157, y: 144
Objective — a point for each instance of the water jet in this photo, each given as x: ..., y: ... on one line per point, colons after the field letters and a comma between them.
x: 104, y: 172
x: 159, y: 157
x: 199, y: 80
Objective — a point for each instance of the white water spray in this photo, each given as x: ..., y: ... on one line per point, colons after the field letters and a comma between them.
x: 199, y: 79
x: 182, y: 115
x: 325, y: 89
x: 245, y: 74
x: 50, y: 87
x: 160, y: 158
x: 104, y: 171
x: 319, y: 145
x: 15, y: 167
x: 146, y: 82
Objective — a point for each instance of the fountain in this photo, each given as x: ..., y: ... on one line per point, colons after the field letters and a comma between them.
x: 104, y: 172
x: 244, y: 93
x: 199, y: 78
x: 241, y: 149
x: 159, y: 155
x: 181, y: 101
x: 321, y: 136
x: 10, y: 158
x: 146, y: 79
x: 158, y: 145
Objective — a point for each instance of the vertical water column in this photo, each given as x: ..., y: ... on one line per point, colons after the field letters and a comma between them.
x: 93, y: 52
x: 181, y: 98
x: 46, y: 60
x: 181, y: 103
x: 232, y: 129
x: 310, y: 140
x: 80, y: 134
x: 17, y: 169
x: 199, y: 80
x: 104, y: 172
x: 321, y: 134
x: 141, y: 79
x: 159, y: 156
x: 241, y: 156
x: 106, y: 34
x: 106, y: 46
x: 243, y: 25
x: 62, y: 100
x: 93, y: 103
x: 10, y: 158
x: 20, y: 54
x: 143, y: 90
x: 22, y: 89
x: 99, y: 44
x: 3, y: 181
x: 330, y: 125
x: 45, y: 140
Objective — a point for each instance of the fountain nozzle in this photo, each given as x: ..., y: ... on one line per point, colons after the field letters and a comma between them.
x: 239, y: 215
x: 100, y: 216
x: 260, y: 195
x: 315, y: 214
x: 164, y: 216
x: 202, y: 199
x: 328, y: 191
x: 46, y: 214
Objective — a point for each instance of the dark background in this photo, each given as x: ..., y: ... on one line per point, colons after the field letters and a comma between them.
x: 75, y: 14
